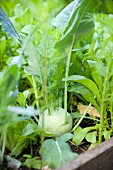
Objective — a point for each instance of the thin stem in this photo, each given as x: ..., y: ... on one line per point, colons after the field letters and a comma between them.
x: 66, y: 84
x: 102, y: 107
x: 44, y: 101
x: 85, y: 112
x: 31, y: 149
x: 3, y: 146
x: 35, y: 91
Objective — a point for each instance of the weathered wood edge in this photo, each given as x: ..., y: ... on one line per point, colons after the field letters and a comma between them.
x: 97, y: 158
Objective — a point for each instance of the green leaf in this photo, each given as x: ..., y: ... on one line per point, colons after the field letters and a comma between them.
x: 64, y: 16
x: 14, y: 133
x: 96, y: 69
x: 91, y: 137
x: 86, y: 93
x: 78, y: 21
x: 80, y: 134
x: 107, y: 134
x: 8, y: 80
x: 21, y: 144
x: 33, y: 59
x: 65, y: 137
x: 32, y: 163
x: 8, y: 90
x: 86, y: 82
x: 46, y: 46
x: 30, y: 128
x: 58, y: 150
x: 28, y: 28
x: 7, y: 25
x: 19, y: 136
x: 21, y: 99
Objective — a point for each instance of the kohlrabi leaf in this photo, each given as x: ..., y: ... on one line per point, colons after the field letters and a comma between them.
x: 30, y: 128
x: 65, y: 137
x: 46, y: 46
x: 78, y: 21
x: 7, y: 25
x: 58, y: 150
x: 34, y: 67
x: 30, y: 111
x: 86, y: 82
x: 64, y: 16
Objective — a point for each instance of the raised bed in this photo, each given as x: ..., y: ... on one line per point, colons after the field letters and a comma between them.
x: 97, y: 158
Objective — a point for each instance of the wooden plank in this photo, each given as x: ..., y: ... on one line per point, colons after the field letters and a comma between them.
x: 97, y: 158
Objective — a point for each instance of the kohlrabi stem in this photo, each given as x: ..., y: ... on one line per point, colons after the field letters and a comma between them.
x: 3, y: 145
x: 85, y: 112
x: 44, y: 100
x: 102, y: 106
x: 35, y: 92
x: 66, y: 75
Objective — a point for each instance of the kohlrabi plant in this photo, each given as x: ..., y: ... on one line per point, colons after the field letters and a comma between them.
x: 43, y: 61
x: 75, y: 22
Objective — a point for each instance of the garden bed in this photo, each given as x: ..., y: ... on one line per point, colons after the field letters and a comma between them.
x: 56, y: 84
x: 97, y: 158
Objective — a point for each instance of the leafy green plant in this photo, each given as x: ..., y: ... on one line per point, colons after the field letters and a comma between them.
x: 58, y: 150
x: 31, y: 162
x: 99, y: 58
x: 80, y: 134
